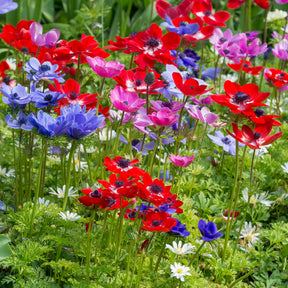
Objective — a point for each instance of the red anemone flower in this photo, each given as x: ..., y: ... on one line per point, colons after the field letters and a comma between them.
x: 120, y: 43
x: 203, y: 10
x: 93, y: 197
x: 123, y: 166
x: 72, y: 90
x: 153, y: 191
x: 190, y: 87
x: 133, y: 81
x: 152, y: 46
x: 131, y: 214
x: 254, y: 139
x: 258, y: 117
x: 158, y: 222
x: 276, y: 78
x: 246, y: 67
x: 234, y: 4
x: 183, y: 9
x: 174, y: 203
x: 241, y: 99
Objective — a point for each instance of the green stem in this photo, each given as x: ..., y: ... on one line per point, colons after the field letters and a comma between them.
x: 16, y: 170
x: 68, y: 177
x: 154, y: 151
x: 196, y: 253
x: 88, y: 256
x: 240, y: 279
x: 161, y: 253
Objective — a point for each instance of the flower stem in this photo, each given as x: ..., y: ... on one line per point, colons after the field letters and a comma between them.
x: 68, y: 177
x: 196, y: 253
x: 240, y: 279
x: 161, y: 253
x: 88, y: 256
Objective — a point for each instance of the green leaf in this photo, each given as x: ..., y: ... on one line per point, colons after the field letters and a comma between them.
x: 5, y: 250
x: 37, y: 10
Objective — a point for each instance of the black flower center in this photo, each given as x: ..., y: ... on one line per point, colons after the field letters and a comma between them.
x: 152, y: 43
x: 95, y: 194
x: 14, y: 96
x: 246, y: 65
x: 155, y: 222
x: 132, y: 214
x: 184, y: 23
x: 257, y: 135
x: 44, y: 68
x: 119, y: 183
x: 24, y: 49
x: 222, y: 39
x: 125, y: 102
x: 258, y: 112
x: 155, y: 188
x: 167, y: 104
x: 226, y: 140
x: 226, y: 51
x: 6, y: 79
x: 111, y: 202
x: 241, y: 97
x: 138, y: 82
x: 248, y: 34
x: 73, y: 95
x: 282, y: 74
x: 123, y: 163
x: 48, y: 97
x: 21, y: 120
x: 135, y: 142
x: 207, y: 13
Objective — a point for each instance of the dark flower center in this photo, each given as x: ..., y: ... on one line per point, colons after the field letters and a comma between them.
x: 135, y: 142
x: 111, y: 202
x: 182, y: 55
x: 125, y: 102
x: 226, y: 51
x: 14, y: 96
x: 246, y: 65
x: 21, y: 120
x: 132, y: 214
x: 44, y: 68
x: 257, y: 135
x: 282, y: 74
x: 138, y: 82
x: 73, y: 95
x: 48, y: 97
x: 167, y: 104
x: 258, y: 112
x: 248, y: 34
x: 155, y: 188
x: 155, y: 222
x: 119, y: 183
x: 152, y: 43
x: 226, y: 140
x: 95, y: 194
x: 240, y: 97
x: 123, y: 163
x: 207, y: 13
x: 184, y: 23
x: 222, y: 39
x: 6, y: 79
x: 24, y: 49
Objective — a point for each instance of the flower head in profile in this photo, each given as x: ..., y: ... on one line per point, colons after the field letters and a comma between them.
x: 179, y: 271
x: 82, y: 123
x: 178, y: 249
x: 15, y: 96
x: 60, y: 192
x: 201, y: 113
x: 125, y: 101
x: 179, y: 229
x: 285, y: 167
x: 7, y: 6
x: 182, y: 161
x: 281, y: 49
x: 69, y: 216
x: 208, y: 230
x: 42, y: 201
x: 257, y: 198
x: 248, y: 233
x: 48, y: 40
x: 21, y: 121
x: 105, y: 69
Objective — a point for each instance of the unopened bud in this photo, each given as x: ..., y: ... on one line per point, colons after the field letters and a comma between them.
x: 149, y: 78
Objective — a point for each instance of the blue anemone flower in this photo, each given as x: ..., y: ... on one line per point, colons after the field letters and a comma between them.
x: 82, y: 123
x: 15, y: 96
x: 21, y: 122
x: 208, y: 230
x: 179, y: 229
x: 47, y: 98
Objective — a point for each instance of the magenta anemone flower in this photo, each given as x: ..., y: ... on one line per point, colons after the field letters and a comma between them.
x: 281, y: 49
x: 281, y: 1
x: 173, y: 106
x: 125, y: 101
x: 201, y: 113
x: 163, y: 117
x: 48, y: 40
x: 105, y: 69
x: 181, y: 161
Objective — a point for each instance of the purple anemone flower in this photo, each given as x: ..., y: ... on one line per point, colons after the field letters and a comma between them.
x: 281, y: 1
x: 208, y: 230
x: 46, y: 71
x: 179, y: 229
x: 227, y: 142
x: 173, y: 106
x: 48, y: 40
x: 183, y: 29
x: 188, y: 59
x: 47, y: 98
x: 48, y: 125
x: 82, y: 123
x: 15, y: 96
x: 7, y: 6
x: 201, y: 113
x: 281, y: 49
x: 21, y: 122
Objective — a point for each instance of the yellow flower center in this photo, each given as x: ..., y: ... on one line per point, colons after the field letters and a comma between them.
x: 249, y: 237
x: 179, y: 270
x: 2, y: 172
x: 61, y: 194
x: 253, y: 200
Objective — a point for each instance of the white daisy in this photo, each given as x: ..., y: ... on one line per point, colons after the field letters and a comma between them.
x: 105, y: 135
x: 60, y: 192
x: 179, y: 250
x: 276, y: 15
x: 88, y: 150
x: 179, y: 271
x: 261, y: 198
x: 6, y: 172
x: 285, y: 167
x: 43, y: 201
x: 69, y: 216
x: 248, y: 233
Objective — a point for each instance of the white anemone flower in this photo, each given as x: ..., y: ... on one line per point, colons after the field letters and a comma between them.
x: 105, y: 135
x: 60, y: 192
x: 276, y: 15
x: 6, y: 172
x: 69, y: 216
x: 285, y: 167
x: 179, y: 250
x: 43, y: 201
x: 179, y: 271
x: 248, y: 233
x: 261, y: 198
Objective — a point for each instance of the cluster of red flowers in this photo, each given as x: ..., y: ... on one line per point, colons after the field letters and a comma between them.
x: 122, y: 191
x: 242, y: 100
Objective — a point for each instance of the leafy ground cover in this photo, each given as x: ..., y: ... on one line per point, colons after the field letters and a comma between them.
x: 143, y: 143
